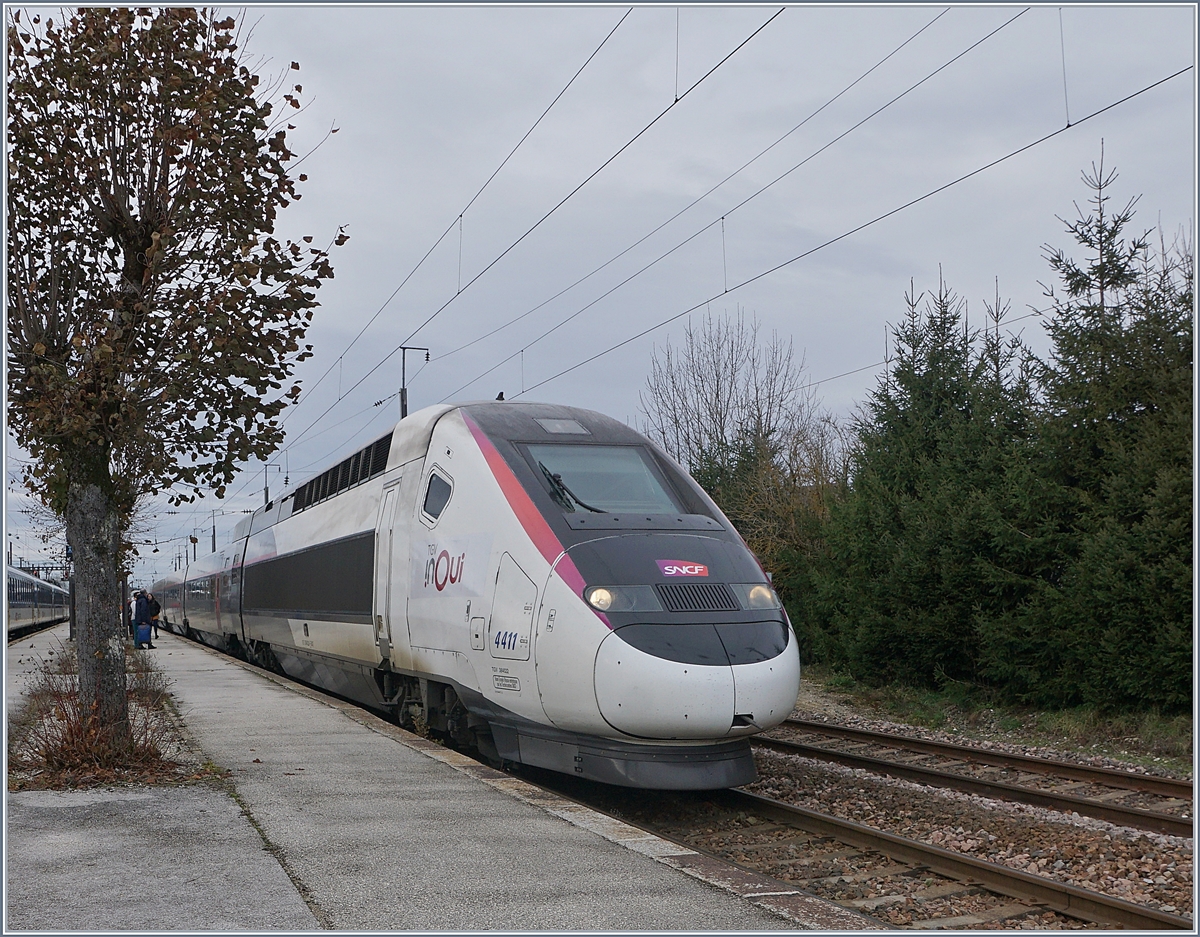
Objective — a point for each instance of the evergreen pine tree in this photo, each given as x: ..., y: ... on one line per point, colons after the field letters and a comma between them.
x: 903, y: 585
x: 1109, y: 621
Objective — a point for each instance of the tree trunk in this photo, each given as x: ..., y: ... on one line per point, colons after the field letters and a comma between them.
x: 93, y: 531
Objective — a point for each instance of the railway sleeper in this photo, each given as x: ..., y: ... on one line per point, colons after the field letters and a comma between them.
x: 1003, y: 912
x: 848, y: 878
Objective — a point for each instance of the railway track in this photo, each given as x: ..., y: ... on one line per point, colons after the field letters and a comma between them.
x: 1147, y: 802
x: 883, y: 876
x: 1027, y: 891
x: 896, y: 880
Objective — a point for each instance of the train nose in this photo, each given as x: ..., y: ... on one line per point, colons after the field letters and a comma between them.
x: 692, y: 681
x: 650, y: 696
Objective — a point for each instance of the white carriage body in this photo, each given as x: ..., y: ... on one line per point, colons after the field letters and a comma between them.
x: 452, y: 583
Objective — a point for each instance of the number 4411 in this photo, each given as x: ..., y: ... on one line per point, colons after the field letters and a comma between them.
x: 506, y: 640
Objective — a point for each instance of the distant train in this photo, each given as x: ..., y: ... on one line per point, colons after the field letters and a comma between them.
x: 33, y: 604
x: 539, y: 582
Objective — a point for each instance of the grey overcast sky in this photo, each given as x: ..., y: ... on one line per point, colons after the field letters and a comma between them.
x: 429, y: 100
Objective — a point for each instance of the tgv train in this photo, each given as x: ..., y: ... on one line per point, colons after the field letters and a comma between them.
x: 33, y: 604
x: 539, y: 582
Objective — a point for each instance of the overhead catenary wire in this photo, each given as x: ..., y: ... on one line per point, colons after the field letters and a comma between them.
x: 187, y: 516
x: 599, y: 169
x: 696, y: 201
x: 458, y: 218
x: 735, y: 287
x: 538, y: 223
x: 743, y: 203
x: 886, y: 359
x: 864, y: 225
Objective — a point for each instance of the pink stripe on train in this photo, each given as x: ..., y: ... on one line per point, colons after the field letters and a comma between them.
x: 527, y: 513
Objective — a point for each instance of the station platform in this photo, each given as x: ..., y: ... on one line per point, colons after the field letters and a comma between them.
x: 332, y: 818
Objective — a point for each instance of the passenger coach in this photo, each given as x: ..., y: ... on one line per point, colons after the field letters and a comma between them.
x: 33, y: 604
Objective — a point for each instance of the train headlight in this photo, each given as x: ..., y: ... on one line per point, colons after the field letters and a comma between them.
x: 623, y: 598
x: 601, y: 598
x: 756, y: 595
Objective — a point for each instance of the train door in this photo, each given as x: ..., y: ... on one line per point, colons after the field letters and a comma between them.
x: 217, y: 589
x: 227, y: 605
x: 510, y: 629
x: 384, y: 543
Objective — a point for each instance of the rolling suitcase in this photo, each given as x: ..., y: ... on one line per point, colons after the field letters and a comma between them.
x: 142, y: 634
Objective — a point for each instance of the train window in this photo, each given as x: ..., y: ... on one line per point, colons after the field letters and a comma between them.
x: 603, y: 479
x: 436, y: 495
x: 569, y: 427
x: 380, y: 456
x: 364, y: 464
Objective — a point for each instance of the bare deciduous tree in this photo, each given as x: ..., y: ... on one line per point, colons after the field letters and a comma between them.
x: 706, y: 399
x: 736, y: 411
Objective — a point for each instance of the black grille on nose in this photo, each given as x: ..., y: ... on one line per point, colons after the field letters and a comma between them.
x: 697, y: 597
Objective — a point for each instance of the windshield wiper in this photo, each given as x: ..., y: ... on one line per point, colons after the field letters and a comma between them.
x: 559, y: 493
x: 559, y: 488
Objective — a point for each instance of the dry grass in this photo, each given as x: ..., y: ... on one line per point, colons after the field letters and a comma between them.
x: 54, y: 743
x: 1142, y: 738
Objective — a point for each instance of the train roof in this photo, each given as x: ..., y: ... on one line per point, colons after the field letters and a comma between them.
x: 550, y: 422
x: 13, y: 572
x: 409, y: 439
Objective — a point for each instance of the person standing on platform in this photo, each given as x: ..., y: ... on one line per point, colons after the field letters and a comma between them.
x: 141, y: 622
x: 153, y: 609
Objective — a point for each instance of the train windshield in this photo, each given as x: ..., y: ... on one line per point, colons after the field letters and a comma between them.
x: 602, y: 479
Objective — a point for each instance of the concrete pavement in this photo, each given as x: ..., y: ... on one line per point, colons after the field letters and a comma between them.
x: 332, y: 818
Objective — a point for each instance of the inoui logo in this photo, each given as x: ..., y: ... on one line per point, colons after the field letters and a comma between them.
x: 443, y: 569
x: 681, y: 568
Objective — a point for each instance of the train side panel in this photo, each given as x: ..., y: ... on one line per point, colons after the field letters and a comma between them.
x: 33, y: 604
x: 463, y: 540
x: 306, y: 580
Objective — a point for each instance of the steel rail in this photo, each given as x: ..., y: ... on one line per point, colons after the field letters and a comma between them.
x: 1112, y: 777
x: 1114, y: 813
x: 1058, y: 896
x: 1066, y: 899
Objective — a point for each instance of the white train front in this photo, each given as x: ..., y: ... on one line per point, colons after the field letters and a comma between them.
x: 539, y: 582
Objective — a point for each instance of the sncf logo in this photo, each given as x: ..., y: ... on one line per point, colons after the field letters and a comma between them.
x: 681, y: 568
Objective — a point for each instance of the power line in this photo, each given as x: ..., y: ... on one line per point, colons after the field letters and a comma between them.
x: 745, y: 201
x: 598, y: 170
x: 458, y: 218
x: 536, y: 224
x: 700, y: 198
x: 868, y: 367
x: 866, y: 224
x: 457, y: 221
